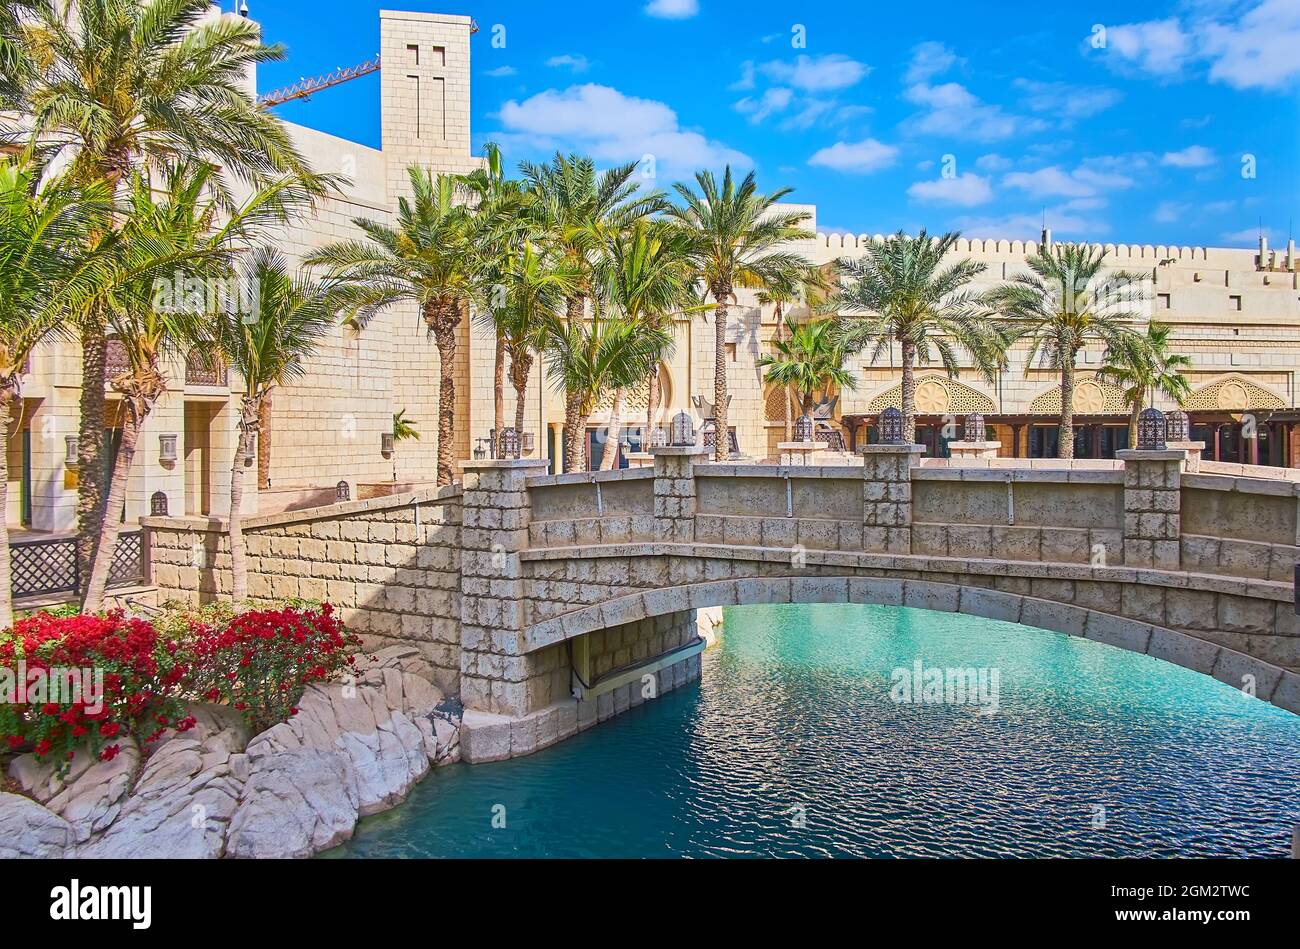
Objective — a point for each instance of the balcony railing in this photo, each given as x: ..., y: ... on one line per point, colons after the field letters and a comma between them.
x: 202, y: 370
x: 49, y: 567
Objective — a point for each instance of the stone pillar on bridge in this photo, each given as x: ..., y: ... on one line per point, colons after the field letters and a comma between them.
x: 493, y: 673
x: 887, y: 497
x: 674, y: 492
x: 1153, y: 507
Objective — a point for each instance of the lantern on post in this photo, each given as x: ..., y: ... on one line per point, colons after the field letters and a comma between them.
x: 479, y: 451
x: 683, y: 430
x: 974, y: 429
x: 1178, y: 427
x: 508, y: 447
x: 803, y: 429
x: 658, y: 437
x: 1151, y: 430
x: 891, y: 426
x: 158, y: 504
x: 342, y: 492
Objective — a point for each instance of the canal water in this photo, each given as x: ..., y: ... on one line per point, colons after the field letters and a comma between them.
x: 840, y: 730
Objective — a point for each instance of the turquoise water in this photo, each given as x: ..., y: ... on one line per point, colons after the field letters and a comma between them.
x: 790, y: 745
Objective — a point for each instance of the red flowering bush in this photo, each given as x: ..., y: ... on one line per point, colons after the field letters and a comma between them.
x: 71, y: 681
x: 261, y: 660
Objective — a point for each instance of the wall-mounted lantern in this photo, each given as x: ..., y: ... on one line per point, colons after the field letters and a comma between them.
x: 1151, y: 430
x: 158, y: 504
x: 70, y: 450
x: 1178, y: 427
x: 526, y: 442
x: 386, y: 443
x: 683, y: 431
x: 167, y: 449
x: 891, y: 426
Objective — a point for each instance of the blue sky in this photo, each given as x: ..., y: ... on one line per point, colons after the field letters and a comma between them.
x: 1151, y: 122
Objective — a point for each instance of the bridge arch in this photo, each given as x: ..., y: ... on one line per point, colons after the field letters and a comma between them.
x: 1226, y: 665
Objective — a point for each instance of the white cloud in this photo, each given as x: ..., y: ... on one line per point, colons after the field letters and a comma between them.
x: 1256, y: 51
x: 817, y: 73
x: 965, y: 190
x: 1169, y: 212
x: 574, y: 62
x: 612, y: 127
x: 993, y: 162
x: 502, y: 71
x: 1193, y: 156
x: 861, y: 158
x: 769, y: 103
x: 1091, y: 178
x: 746, y: 80
x: 1064, y: 100
x: 1248, y: 236
x: 1155, y: 46
x: 673, y: 9
x: 929, y: 59
x: 1065, y: 220
x: 952, y: 110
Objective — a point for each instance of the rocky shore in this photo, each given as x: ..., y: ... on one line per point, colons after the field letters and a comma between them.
x: 291, y: 791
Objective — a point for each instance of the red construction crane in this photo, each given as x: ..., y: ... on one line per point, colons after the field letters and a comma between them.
x: 306, y: 88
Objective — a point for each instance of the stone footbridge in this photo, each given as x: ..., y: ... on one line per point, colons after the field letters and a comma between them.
x: 549, y: 603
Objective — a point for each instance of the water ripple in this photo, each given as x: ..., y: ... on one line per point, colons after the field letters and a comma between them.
x: 791, y: 746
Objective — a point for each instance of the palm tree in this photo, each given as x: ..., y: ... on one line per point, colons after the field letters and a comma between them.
x: 1142, y: 365
x: 809, y: 284
x: 174, y: 223
x: 15, y: 63
x: 1062, y: 303
x: 46, y: 277
x: 268, y: 348
x: 902, y: 291
x: 812, y: 359
x: 536, y: 285
x: 404, y: 429
x: 121, y: 84
x: 589, y: 359
x: 499, y: 216
x: 430, y: 259
x: 647, y: 275
x: 737, y: 232
x: 574, y: 210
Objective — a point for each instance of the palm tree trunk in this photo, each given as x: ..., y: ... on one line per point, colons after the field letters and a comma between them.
x: 575, y: 310
x: 574, y: 431
x: 651, y: 408
x: 1133, y: 413
x: 250, y: 414
x: 264, y: 444
x: 909, y: 392
x: 499, y: 388
x: 613, y: 431
x: 7, y: 400
x: 90, y: 445
x: 442, y: 317
x: 721, y: 440
x: 521, y: 366
x: 1065, y: 438
x: 110, y: 523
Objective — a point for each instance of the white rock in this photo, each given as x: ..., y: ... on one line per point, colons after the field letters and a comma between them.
x: 295, y: 803
x: 29, y: 830
x: 92, y: 800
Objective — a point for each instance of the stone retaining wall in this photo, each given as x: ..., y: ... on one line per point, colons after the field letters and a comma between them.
x: 390, y: 565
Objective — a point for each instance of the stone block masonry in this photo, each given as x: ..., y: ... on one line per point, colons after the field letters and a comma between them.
x: 1152, y: 508
x: 887, y: 497
x: 391, y: 566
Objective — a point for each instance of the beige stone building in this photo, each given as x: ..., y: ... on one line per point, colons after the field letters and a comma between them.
x: 1236, y: 313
